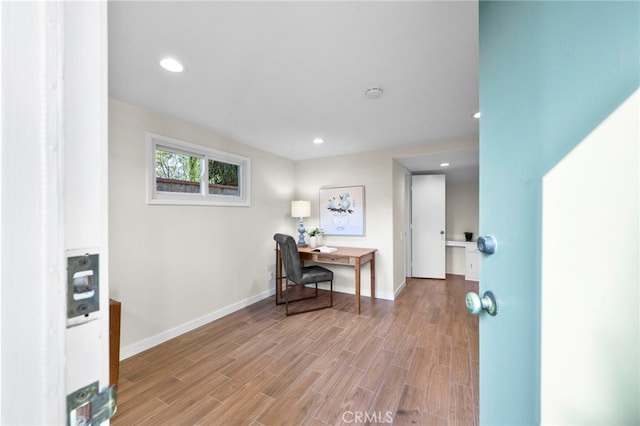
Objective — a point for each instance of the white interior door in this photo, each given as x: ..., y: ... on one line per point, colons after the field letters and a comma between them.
x: 428, y: 219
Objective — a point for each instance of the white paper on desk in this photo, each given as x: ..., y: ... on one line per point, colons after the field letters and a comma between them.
x: 324, y: 249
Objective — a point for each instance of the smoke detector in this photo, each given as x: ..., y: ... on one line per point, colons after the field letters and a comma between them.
x: 373, y: 93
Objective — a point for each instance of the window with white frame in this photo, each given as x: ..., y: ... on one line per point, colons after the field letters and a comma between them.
x: 180, y: 172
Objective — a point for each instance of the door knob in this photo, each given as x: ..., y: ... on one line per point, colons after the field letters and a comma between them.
x: 475, y: 304
x: 487, y: 244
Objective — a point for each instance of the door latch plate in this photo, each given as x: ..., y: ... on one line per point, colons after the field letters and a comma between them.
x: 83, y: 285
x: 87, y: 406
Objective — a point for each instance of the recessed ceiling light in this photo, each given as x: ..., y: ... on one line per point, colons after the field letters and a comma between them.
x: 373, y: 93
x: 171, y: 64
x: 318, y: 141
x: 477, y: 115
x: 444, y: 164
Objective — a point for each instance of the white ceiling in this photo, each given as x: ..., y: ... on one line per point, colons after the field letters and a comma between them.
x: 463, y: 165
x: 276, y: 75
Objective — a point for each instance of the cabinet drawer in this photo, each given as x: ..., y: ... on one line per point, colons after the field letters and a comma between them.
x: 326, y: 258
x: 330, y: 258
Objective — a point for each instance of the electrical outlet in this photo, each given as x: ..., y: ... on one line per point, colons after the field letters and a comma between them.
x: 270, y: 275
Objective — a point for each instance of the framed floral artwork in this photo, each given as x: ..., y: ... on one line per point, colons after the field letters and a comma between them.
x: 342, y: 210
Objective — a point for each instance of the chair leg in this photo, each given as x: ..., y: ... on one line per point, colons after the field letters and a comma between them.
x: 286, y: 297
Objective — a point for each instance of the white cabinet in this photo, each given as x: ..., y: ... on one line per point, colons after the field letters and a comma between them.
x: 472, y: 258
x: 473, y: 264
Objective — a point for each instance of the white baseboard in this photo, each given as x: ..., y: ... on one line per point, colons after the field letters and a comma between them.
x: 152, y: 341
x: 399, y: 289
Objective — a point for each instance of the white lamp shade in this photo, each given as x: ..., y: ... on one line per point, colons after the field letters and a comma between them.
x: 300, y: 208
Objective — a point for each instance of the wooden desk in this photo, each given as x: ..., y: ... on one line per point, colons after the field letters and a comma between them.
x: 350, y: 256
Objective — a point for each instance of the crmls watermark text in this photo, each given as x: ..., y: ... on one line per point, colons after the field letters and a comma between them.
x: 366, y: 417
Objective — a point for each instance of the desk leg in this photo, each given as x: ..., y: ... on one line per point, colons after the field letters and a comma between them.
x: 372, y: 265
x: 358, y: 287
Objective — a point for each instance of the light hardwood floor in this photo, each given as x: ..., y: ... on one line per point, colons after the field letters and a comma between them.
x: 412, y: 361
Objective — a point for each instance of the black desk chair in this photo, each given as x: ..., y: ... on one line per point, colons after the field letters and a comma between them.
x: 300, y: 275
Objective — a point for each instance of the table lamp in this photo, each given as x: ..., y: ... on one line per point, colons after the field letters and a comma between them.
x: 301, y: 209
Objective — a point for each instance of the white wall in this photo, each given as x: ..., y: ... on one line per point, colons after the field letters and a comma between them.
x: 178, y: 267
x: 462, y: 216
x: 383, y: 178
x: 590, y: 338
x: 462, y: 210
x: 373, y: 170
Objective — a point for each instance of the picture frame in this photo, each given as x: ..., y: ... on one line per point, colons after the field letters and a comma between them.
x: 342, y: 210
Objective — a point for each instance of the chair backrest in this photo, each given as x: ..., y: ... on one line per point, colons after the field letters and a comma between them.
x: 290, y: 256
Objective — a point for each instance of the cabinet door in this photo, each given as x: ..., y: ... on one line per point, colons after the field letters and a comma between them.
x: 473, y: 265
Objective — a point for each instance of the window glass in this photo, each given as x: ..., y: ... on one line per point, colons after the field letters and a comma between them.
x: 223, y: 178
x: 177, y: 172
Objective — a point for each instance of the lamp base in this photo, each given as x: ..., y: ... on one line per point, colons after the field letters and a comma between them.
x: 301, y: 241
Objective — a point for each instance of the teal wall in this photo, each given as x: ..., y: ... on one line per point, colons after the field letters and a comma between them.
x: 550, y: 72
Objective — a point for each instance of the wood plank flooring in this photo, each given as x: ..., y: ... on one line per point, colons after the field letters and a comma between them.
x: 409, y: 362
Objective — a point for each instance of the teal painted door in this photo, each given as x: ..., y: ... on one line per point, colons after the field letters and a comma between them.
x: 550, y: 72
